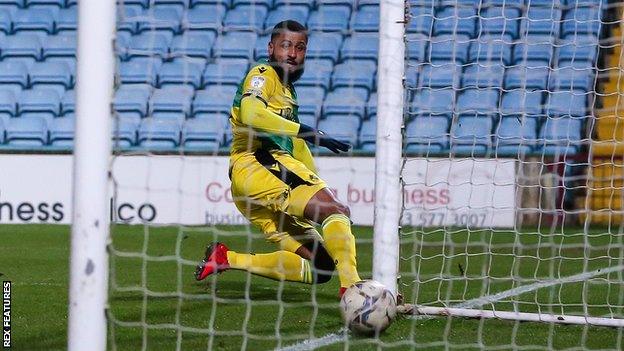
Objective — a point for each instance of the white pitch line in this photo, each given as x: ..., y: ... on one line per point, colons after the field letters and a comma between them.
x: 333, y: 338
x: 478, y: 302
x: 312, y: 344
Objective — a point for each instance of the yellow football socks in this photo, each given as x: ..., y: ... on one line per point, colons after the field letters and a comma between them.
x: 279, y: 265
x: 340, y: 245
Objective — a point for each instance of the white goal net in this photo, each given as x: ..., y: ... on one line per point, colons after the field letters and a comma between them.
x: 511, y: 175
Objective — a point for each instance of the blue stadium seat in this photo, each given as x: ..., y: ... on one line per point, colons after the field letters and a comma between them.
x: 363, y: 46
x: 426, y: 134
x: 235, y: 45
x: 416, y: 47
x: 204, y: 18
x: 483, y: 76
x: 561, y: 135
x: 541, y: 21
x: 471, y: 135
x: 193, y: 44
x: 491, y: 49
x: 5, y: 21
x: 202, y: 134
x: 371, y: 106
x: 132, y: 99
x: 411, y: 76
x: 421, y: 20
x: 261, y: 47
x: 544, y: 3
x: 537, y: 54
x: 43, y: 102
x: 515, y: 136
x: 310, y: 100
x: 26, y: 132
x: 455, y: 21
x: 224, y: 3
x: 8, y: 103
x: 140, y: 70
x: 34, y: 20
x: 297, y: 13
x: 60, y: 45
x: 12, y: 3
x: 322, y: 46
x: 266, y: 4
x: 582, y: 3
x: 21, y: 45
x: 44, y: 3
x: 54, y: 75
x: 527, y: 78
x: 13, y: 75
x: 225, y: 72
x: 341, y: 128
x: 500, y: 21
x: 249, y: 18
x: 582, y: 20
x: 309, y: 119
x: 349, y: 4
x: 67, y: 20
x: 180, y: 72
x: 573, y: 103
x: 150, y: 44
x: 329, y: 18
x: 436, y: 101
x: 479, y: 101
x: 124, y: 133
x: 62, y: 132
x: 278, y: 3
x: 366, y: 19
x: 449, y: 48
x: 569, y: 78
x: 578, y: 51
x: 368, y: 135
x: 345, y: 101
x: 440, y: 76
x: 354, y: 73
x: 68, y: 103
x: 159, y: 19
x: 159, y: 133
x: 171, y: 101
x: 215, y: 99
x: 143, y: 3
x: 522, y: 102
x: 176, y: 4
x: 317, y: 73
x: 128, y: 17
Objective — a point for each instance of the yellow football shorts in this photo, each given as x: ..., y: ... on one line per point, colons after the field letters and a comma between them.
x: 271, y: 189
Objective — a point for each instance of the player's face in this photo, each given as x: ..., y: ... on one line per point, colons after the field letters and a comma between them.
x: 288, y: 50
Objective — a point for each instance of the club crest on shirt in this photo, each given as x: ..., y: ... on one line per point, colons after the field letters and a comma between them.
x: 257, y: 82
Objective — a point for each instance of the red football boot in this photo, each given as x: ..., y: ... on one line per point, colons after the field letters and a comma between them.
x: 341, y: 292
x: 215, y: 261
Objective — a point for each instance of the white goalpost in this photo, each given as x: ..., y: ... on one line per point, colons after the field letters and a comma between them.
x: 88, y: 293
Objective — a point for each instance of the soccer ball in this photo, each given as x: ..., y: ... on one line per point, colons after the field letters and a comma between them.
x: 368, y: 307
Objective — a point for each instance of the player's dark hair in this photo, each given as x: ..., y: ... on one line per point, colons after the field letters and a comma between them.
x: 288, y: 25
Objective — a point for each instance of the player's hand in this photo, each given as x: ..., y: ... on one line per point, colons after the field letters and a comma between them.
x: 319, y: 138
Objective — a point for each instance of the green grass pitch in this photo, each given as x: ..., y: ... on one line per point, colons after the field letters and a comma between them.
x: 157, y: 305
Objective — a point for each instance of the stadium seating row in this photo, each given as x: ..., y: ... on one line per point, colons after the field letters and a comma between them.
x: 425, y: 134
x: 469, y: 21
x: 139, y: 101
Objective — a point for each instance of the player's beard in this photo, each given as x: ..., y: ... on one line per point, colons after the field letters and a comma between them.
x: 286, y: 77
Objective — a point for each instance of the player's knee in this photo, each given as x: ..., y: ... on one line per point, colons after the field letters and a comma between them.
x: 324, y: 266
